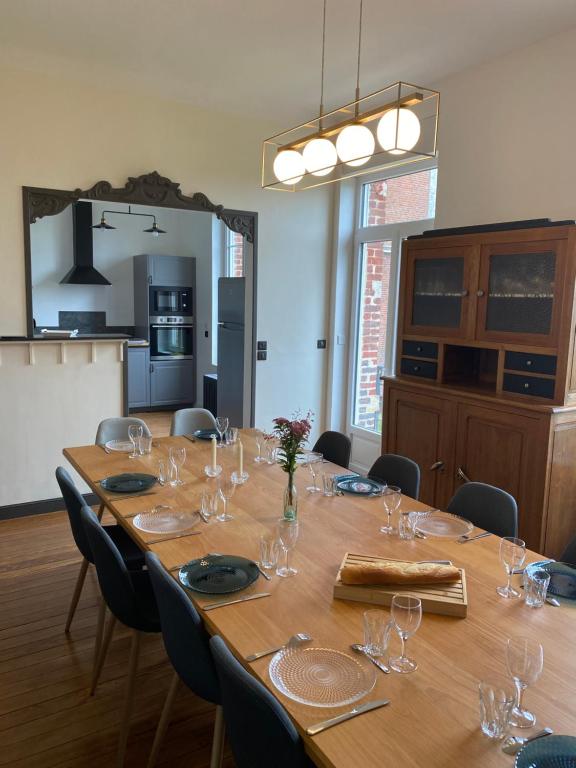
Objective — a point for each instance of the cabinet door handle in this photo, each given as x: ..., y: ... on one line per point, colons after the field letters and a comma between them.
x: 149, y: 279
x: 528, y: 363
x: 438, y: 465
x: 461, y: 475
x: 480, y: 293
x: 151, y: 367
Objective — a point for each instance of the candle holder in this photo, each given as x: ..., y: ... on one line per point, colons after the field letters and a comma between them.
x: 239, y: 479
x: 213, y: 471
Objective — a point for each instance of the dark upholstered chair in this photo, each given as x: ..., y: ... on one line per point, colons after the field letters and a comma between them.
x: 487, y: 507
x: 335, y: 447
x: 259, y: 730
x: 187, y: 645
x: 569, y: 554
x: 397, y: 470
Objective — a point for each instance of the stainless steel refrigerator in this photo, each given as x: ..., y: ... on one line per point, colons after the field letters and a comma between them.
x: 231, y: 322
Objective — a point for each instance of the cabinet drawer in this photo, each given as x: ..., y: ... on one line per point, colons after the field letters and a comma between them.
x: 529, y: 385
x: 420, y: 349
x: 418, y: 368
x: 523, y: 361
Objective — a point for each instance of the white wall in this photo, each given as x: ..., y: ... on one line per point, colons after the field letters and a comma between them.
x: 506, y: 137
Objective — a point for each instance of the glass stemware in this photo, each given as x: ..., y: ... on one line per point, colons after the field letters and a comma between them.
x: 135, y: 432
x: 391, y: 498
x: 226, y: 488
x: 312, y: 462
x: 176, y: 459
x: 406, y: 615
x: 259, y: 440
x: 221, y: 426
x: 288, y: 531
x: 524, y: 660
x: 512, y: 554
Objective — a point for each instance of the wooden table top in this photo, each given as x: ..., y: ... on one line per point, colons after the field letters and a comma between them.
x: 433, y: 718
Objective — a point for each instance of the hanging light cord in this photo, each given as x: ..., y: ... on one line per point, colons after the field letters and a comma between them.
x: 322, y: 67
x: 359, y: 50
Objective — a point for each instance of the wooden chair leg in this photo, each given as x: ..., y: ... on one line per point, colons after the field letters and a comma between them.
x: 129, y: 700
x: 104, y: 645
x: 218, y: 739
x: 164, y: 721
x: 76, y: 595
x: 101, y: 509
x: 99, y: 634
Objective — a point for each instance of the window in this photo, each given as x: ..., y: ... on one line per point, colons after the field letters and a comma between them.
x: 390, y: 210
x: 234, y: 254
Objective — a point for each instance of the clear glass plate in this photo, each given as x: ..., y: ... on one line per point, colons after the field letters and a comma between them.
x: 165, y: 519
x: 321, y: 677
x: 123, y: 446
x: 443, y: 525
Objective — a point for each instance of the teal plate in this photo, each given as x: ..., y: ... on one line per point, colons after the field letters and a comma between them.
x: 548, y: 752
x: 360, y: 486
x: 206, y: 434
x: 218, y: 574
x: 129, y: 482
x: 562, y: 577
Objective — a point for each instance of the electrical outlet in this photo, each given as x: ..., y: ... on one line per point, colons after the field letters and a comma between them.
x: 261, y: 345
x: 261, y: 355
x: 321, y: 344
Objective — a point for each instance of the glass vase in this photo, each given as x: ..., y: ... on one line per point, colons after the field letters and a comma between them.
x: 290, y: 499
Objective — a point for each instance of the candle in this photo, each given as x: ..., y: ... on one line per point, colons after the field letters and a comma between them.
x: 214, y: 453
x: 241, y: 458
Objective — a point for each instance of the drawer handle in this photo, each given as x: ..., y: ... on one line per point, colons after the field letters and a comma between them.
x: 415, y: 368
x: 526, y: 385
x: 418, y: 349
x: 528, y: 362
x: 480, y: 293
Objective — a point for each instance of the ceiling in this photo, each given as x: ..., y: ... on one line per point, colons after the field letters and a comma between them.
x: 262, y: 57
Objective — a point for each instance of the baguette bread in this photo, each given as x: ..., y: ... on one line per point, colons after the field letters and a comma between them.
x: 398, y: 572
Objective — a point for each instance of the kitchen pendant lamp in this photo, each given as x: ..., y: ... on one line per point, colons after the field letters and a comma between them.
x: 390, y: 127
x: 153, y: 230
x: 103, y: 224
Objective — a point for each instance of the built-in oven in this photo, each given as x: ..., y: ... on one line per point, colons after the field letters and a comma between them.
x: 171, y: 301
x: 171, y: 336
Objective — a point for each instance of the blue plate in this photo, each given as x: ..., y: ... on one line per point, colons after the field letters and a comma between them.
x: 360, y: 486
x: 206, y: 434
x: 562, y: 577
x: 129, y: 482
x: 218, y: 574
x: 548, y: 752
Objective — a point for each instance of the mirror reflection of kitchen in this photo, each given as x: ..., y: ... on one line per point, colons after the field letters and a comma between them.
x: 149, y: 275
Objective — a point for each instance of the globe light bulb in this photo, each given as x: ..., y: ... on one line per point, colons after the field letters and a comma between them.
x: 355, y: 144
x: 398, y: 128
x: 289, y: 166
x: 320, y: 157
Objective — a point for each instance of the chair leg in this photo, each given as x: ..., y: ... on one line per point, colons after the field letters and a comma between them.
x: 163, y: 722
x: 104, y: 645
x: 218, y: 739
x: 101, y: 509
x: 99, y: 634
x: 129, y: 700
x: 76, y: 595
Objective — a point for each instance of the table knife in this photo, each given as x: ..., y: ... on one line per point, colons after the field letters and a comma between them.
x: 222, y: 603
x: 359, y: 710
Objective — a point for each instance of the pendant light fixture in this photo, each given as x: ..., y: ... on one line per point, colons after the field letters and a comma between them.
x: 153, y: 230
x: 103, y: 223
x: 393, y: 126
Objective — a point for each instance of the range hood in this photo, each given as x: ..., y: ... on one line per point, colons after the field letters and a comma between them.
x: 83, y: 271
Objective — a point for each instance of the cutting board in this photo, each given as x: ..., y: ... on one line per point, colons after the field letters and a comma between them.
x: 446, y: 599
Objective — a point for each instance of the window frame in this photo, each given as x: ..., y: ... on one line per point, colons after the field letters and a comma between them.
x: 229, y: 248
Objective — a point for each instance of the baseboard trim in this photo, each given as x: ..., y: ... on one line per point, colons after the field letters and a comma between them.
x: 28, y: 508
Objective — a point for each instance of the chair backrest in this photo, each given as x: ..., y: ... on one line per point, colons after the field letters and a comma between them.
x: 487, y: 507
x: 187, y: 420
x: 397, y: 470
x: 185, y: 639
x: 335, y: 447
x: 260, y: 732
x: 569, y: 554
x: 74, y: 503
x: 116, y: 428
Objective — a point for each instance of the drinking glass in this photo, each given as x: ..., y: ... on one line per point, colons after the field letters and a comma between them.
x: 269, y: 547
x: 208, y: 504
x: 259, y: 440
x: 271, y: 448
x: 512, y: 554
x: 221, y: 426
x: 376, y: 632
x: 176, y: 459
x: 145, y: 444
x: 135, y: 432
x: 287, y: 536
x: 524, y: 660
x: 391, y: 498
x: 312, y: 461
x: 329, y: 482
x: 496, y: 702
x: 406, y: 525
x: 162, y: 475
x: 406, y: 615
x: 231, y: 435
x: 226, y: 488
x: 535, y: 588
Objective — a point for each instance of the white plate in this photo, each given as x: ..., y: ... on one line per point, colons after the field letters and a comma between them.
x: 164, y: 519
x: 443, y: 525
x: 122, y: 446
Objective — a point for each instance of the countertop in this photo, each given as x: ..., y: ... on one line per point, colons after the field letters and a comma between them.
x: 132, y: 341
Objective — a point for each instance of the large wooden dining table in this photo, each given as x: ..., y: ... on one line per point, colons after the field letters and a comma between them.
x: 433, y: 716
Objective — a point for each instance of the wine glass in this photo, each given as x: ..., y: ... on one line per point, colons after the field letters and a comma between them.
x: 176, y: 459
x: 221, y: 425
x: 524, y: 660
x: 259, y: 439
x: 406, y: 615
x: 135, y: 432
x: 312, y: 461
x: 512, y: 554
x: 288, y: 531
x: 391, y: 498
x: 226, y: 488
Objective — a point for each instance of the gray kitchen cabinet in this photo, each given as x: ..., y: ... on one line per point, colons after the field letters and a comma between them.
x: 172, y: 382
x: 177, y: 271
x: 138, y: 377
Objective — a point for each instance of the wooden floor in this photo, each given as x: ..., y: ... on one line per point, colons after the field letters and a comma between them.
x: 47, y: 719
x: 158, y: 421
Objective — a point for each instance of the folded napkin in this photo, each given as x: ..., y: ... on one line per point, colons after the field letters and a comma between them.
x: 398, y: 572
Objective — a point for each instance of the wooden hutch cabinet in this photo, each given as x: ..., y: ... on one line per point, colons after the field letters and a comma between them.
x: 485, y: 386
